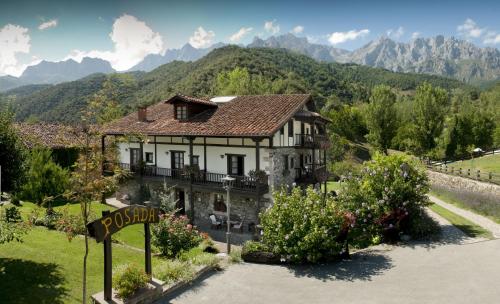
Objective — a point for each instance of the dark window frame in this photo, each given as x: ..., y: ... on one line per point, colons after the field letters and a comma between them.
x: 239, y: 161
x: 219, y: 204
x: 181, y: 112
x: 290, y: 128
x: 149, y: 157
x: 174, y: 159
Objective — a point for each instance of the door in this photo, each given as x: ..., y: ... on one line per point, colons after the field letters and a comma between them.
x: 180, y: 201
x: 177, y: 163
x: 134, y: 158
x: 235, y: 165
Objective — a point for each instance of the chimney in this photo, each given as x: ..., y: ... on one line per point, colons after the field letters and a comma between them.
x: 142, y: 114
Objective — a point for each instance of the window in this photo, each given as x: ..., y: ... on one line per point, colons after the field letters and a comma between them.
x: 235, y: 165
x: 282, y: 130
x: 149, y: 157
x: 290, y: 128
x: 219, y: 203
x: 285, y: 161
x: 181, y: 112
x: 292, y: 162
x: 195, y: 160
x: 177, y: 159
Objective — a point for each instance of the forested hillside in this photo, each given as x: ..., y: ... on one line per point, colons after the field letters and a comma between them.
x: 288, y: 72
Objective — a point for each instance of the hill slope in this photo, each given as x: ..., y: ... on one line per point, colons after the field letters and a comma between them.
x: 63, y: 102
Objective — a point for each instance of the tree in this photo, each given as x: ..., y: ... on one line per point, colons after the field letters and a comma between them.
x: 44, y: 179
x: 381, y: 117
x: 12, y: 154
x: 429, y: 114
x: 240, y: 82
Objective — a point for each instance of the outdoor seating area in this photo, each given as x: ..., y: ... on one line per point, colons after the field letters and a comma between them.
x: 219, y: 221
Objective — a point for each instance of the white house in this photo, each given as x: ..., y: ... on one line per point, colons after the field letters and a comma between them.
x: 193, y: 143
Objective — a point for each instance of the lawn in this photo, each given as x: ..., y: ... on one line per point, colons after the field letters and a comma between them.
x: 467, y: 227
x: 481, y: 205
x: 47, y: 268
x: 131, y: 235
x: 331, y: 186
x: 489, y: 163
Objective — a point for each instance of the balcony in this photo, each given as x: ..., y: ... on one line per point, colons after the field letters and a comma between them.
x: 201, y: 178
x: 309, y: 176
x: 317, y: 141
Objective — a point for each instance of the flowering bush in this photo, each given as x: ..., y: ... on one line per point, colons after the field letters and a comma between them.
x: 72, y: 224
x: 304, y: 227
x: 174, y: 234
x: 127, y: 279
x: 385, y: 197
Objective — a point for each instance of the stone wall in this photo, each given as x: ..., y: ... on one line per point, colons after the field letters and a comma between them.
x: 277, y: 177
x: 465, y: 186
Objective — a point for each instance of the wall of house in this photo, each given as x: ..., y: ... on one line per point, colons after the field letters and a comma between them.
x: 216, y: 155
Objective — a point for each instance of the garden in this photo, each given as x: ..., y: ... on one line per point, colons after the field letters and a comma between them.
x: 384, y: 203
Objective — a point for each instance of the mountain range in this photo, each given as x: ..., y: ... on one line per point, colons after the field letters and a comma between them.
x: 284, y: 72
x: 47, y: 72
x: 443, y: 56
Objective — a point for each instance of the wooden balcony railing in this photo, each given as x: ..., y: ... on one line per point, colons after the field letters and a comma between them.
x: 309, y: 175
x: 312, y: 141
x: 201, y: 177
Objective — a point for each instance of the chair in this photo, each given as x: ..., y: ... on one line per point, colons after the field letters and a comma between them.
x: 214, y: 222
x: 239, y: 226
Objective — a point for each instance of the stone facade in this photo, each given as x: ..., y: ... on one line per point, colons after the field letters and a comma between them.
x: 277, y: 175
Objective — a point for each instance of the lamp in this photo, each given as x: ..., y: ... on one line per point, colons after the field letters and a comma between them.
x: 227, y: 183
x: 222, y: 156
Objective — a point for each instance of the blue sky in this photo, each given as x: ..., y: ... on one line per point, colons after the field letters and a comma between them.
x: 123, y: 32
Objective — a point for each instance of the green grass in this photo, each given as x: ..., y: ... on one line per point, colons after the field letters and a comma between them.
x: 331, y: 186
x: 467, y: 227
x: 489, y: 163
x: 131, y: 235
x: 47, y: 268
x: 489, y: 209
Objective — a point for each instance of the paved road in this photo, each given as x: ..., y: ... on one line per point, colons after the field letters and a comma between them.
x: 447, y: 272
x: 480, y: 220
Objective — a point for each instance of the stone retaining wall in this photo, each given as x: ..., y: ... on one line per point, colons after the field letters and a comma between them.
x: 464, y: 186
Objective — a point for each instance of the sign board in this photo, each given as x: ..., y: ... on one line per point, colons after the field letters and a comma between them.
x: 118, y: 219
x: 112, y: 222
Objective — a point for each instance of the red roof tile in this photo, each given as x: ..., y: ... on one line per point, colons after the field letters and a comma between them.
x: 256, y: 115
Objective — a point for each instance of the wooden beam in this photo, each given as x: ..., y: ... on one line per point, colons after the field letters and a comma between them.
x: 156, y: 153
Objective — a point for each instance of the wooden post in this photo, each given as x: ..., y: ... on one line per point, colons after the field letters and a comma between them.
x: 257, y: 169
x: 147, y: 248
x: 107, y: 265
x: 156, y: 155
x: 103, y: 165
x: 191, y: 175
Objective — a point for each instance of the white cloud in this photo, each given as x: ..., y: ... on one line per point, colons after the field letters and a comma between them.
x: 48, y: 24
x: 298, y: 29
x: 201, y: 38
x: 272, y: 27
x: 240, y: 34
x: 14, y: 39
x: 341, y: 37
x: 396, y: 34
x: 492, y: 38
x: 470, y: 29
x: 415, y: 35
x: 133, y: 40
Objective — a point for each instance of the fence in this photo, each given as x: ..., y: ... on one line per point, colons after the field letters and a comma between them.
x: 479, y: 175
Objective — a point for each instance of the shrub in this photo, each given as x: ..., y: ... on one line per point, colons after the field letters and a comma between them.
x: 235, y: 255
x: 12, y: 214
x: 389, y: 192
x: 72, y: 224
x: 303, y: 227
x: 257, y: 252
x: 44, y: 179
x: 171, y: 271
x: 173, y: 234
x: 253, y: 246
x: 128, y: 278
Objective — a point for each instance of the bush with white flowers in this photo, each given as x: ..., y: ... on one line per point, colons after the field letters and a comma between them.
x: 304, y: 227
x: 387, y: 198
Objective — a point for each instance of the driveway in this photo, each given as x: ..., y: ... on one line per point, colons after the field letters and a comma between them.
x: 455, y: 270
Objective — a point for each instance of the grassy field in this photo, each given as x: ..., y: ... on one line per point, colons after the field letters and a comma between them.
x: 467, y: 227
x: 131, y: 235
x: 489, y: 163
x: 331, y: 186
x: 483, y: 206
x: 47, y: 268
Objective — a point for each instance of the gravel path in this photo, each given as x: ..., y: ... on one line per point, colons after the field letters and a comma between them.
x: 480, y: 220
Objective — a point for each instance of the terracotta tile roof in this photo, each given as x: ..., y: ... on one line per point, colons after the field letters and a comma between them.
x: 49, y: 135
x: 255, y: 115
x: 189, y: 99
